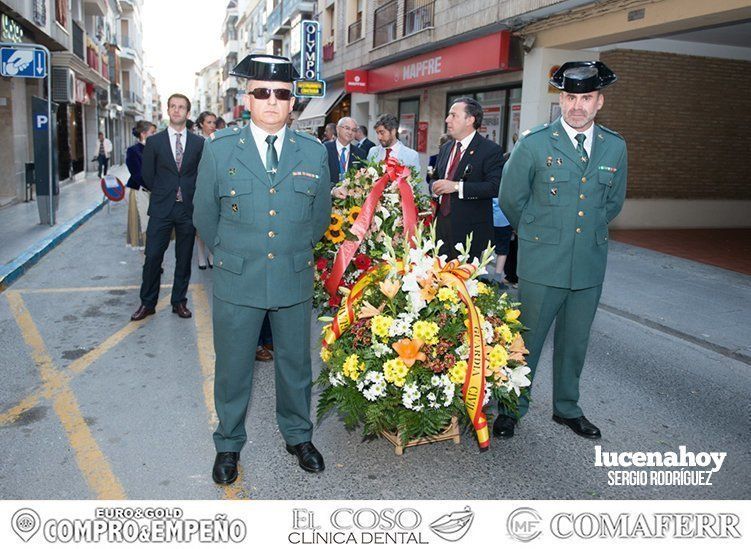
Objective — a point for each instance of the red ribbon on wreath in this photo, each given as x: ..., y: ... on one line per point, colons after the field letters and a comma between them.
x: 395, y: 172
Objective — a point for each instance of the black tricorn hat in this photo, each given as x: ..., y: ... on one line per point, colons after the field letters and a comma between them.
x: 583, y: 77
x: 273, y: 68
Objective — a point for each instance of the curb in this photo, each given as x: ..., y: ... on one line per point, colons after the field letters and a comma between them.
x: 12, y: 271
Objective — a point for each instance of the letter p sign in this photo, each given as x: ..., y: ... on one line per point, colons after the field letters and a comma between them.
x: 41, y: 121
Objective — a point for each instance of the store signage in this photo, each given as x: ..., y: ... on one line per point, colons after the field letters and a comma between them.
x: 471, y: 58
x: 310, y: 84
x: 23, y: 62
x: 11, y: 31
x: 356, y: 81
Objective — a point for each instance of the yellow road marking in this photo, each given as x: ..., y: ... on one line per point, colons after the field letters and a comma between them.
x: 76, y: 367
x: 206, y: 357
x: 91, y: 460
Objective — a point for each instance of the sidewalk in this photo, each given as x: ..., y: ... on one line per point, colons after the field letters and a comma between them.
x: 25, y: 240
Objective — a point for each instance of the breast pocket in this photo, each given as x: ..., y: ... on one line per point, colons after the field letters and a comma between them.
x: 236, y: 200
x: 605, y: 180
x: 554, y: 187
x: 305, y: 192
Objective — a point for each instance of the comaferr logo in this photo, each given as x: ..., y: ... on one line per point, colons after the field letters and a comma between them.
x: 657, y: 525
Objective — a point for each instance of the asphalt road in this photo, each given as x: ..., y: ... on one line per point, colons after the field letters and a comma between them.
x: 94, y: 406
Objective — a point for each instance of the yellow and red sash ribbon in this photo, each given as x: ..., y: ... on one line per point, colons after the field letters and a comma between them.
x: 394, y: 172
x: 455, y: 274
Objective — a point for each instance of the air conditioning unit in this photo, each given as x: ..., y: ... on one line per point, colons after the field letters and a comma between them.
x: 63, y: 85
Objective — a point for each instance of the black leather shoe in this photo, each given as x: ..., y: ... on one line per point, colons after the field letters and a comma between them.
x: 503, y: 426
x: 308, y: 457
x: 142, y: 313
x: 225, y: 467
x: 579, y: 425
x: 181, y: 310
x: 202, y: 267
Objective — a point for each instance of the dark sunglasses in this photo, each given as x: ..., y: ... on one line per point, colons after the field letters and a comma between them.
x: 281, y: 94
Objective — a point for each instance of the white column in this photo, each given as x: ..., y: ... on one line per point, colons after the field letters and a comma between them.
x: 536, y: 97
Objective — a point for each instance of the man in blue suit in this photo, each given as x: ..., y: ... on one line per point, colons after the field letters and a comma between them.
x: 169, y: 169
x: 343, y: 153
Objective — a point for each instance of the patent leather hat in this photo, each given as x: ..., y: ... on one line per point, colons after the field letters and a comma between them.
x: 272, y: 68
x: 582, y: 77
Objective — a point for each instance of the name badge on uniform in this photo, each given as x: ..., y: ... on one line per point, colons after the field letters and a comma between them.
x: 607, y: 169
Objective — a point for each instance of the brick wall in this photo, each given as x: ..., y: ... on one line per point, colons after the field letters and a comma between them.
x: 687, y: 122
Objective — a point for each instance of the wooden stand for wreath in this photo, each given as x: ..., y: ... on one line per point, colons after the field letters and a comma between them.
x: 450, y: 433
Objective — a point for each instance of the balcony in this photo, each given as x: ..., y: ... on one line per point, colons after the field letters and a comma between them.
x: 128, y: 49
x: 95, y: 7
x: 293, y: 7
x: 274, y: 21
x: 418, y: 15
x: 231, y: 46
x: 354, y: 31
x: 384, y: 24
x: 116, y: 96
x: 132, y: 102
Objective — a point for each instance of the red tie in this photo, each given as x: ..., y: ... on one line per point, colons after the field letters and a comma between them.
x: 446, y: 199
x: 388, y: 154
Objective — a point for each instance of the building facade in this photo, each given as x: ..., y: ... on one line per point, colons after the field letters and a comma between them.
x: 413, y: 57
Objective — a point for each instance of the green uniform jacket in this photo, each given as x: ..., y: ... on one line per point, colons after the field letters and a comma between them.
x: 261, y: 232
x: 560, y: 206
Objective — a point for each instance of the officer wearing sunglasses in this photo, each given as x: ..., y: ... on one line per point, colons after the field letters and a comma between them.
x: 262, y: 202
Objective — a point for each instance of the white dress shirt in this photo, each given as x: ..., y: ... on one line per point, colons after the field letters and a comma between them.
x: 400, y: 151
x: 259, y: 136
x: 571, y: 132
x: 173, y: 140
x: 347, y: 152
x: 465, y: 143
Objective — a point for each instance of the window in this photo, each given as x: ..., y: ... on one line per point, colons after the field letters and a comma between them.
x: 61, y: 12
x: 409, y: 113
x: 418, y: 15
x: 384, y: 24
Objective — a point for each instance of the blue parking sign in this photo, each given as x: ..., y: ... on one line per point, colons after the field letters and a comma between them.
x: 23, y: 62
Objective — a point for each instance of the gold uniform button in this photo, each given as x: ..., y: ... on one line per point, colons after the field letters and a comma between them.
x: 272, y: 213
x: 578, y: 229
x: 584, y: 179
x: 581, y: 214
x: 232, y: 192
x: 552, y: 178
x: 272, y: 190
x: 270, y: 256
x: 272, y: 234
x: 537, y: 238
x: 310, y: 262
x: 221, y: 262
x: 582, y: 197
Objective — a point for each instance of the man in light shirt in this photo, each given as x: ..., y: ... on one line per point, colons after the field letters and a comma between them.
x: 387, y: 128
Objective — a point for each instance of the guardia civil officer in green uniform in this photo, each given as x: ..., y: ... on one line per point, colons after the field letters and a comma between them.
x: 262, y: 202
x: 562, y: 185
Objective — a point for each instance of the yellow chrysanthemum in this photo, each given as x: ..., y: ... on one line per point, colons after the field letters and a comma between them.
x: 512, y: 315
x: 426, y: 331
x: 380, y: 325
x: 336, y: 221
x: 354, y: 211
x: 458, y: 372
x: 498, y: 357
x: 448, y: 295
x: 483, y: 289
x: 335, y: 236
x: 504, y: 332
x: 325, y: 354
x: 352, y: 367
x: 395, y: 371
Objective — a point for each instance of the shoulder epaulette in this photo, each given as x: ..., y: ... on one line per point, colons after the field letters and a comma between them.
x: 224, y: 133
x: 608, y: 130
x: 536, y: 129
x: 306, y: 135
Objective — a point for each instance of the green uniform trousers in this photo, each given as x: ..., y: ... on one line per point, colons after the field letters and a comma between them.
x: 573, y: 312
x: 236, y: 330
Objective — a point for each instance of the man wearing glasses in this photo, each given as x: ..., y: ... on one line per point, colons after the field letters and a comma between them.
x: 343, y: 153
x: 262, y: 202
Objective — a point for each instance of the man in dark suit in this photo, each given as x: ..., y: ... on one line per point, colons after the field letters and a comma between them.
x: 343, y: 153
x: 362, y: 139
x: 169, y: 169
x: 466, y: 179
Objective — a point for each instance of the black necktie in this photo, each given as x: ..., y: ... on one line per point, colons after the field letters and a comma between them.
x: 272, y: 159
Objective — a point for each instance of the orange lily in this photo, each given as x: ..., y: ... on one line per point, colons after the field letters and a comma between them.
x: 390, y: 288
x: 369, y: 311
x: 409, y: 350
x: 518, y: 350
